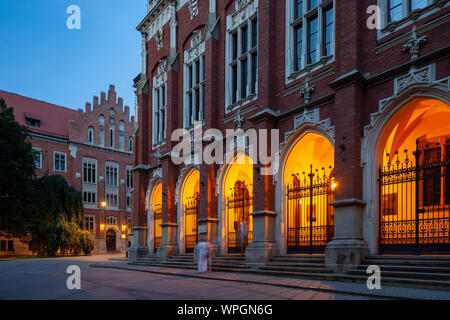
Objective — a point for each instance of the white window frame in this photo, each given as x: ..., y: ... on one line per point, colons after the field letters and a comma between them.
x: 35, y: 152
x: 194, y: 58
x: 159, y: 109
x: 111, y: 165
x: 243, y: 15
x: 90, y: 162
x: 54, y: 161
x: 409, y: 17
x: 90, y: 192
x: 292, y: 74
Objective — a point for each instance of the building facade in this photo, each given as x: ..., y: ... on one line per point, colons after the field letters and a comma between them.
x: 93, y: 150
x: 358, y: 92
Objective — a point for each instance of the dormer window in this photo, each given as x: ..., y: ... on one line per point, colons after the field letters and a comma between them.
x: 33, y: 120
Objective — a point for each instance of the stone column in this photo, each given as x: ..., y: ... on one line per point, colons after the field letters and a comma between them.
x: 348, y: 247
x: 169, y: 224
x: 138, y: 247
x: 264, y: 247
x: 208, y: 222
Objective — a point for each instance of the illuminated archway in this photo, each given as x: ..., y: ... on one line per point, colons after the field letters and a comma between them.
x: 308, y: 189
x: 413, y: 159
x: 155, y: 217
x: 236, y: 205
x: 188, y: 210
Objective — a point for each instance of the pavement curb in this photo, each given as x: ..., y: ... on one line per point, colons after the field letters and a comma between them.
x: 337, y: 291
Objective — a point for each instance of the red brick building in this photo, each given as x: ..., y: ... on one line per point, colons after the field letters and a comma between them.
x: 363, y: 118
x: 93, y: 151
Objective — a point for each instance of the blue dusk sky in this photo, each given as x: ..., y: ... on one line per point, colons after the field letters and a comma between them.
x: 42, y: 59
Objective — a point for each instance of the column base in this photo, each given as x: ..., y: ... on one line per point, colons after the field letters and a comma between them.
x: 137, y: 252
x: 261, y: 252
x: 344, y: 254
x: 164, y: 252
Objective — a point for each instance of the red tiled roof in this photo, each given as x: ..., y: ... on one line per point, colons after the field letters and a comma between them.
x: 54, y: 120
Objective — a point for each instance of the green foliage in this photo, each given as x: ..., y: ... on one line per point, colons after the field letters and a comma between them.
x: 56, y: 228
x: 16, y: 172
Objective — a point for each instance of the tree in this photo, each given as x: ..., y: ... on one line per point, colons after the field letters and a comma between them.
x: 16, y: 173
x: 57, y: 225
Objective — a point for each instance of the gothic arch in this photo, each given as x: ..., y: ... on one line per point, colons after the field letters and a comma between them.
x: 281, y: 183
x: 186, y: 174
x: 370, y: 153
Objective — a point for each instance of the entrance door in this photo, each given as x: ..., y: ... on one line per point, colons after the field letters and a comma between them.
x: 414, y: 200
x: 239, y: 204
x: 191, y: 209
x: 111, y: 241
x: 310, y: 216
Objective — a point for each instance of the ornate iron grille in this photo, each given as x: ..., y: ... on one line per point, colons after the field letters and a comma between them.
x: 414, y: 201
x: 239, y: 204
x: 157, y: 220
x: 310, y: 217
x: 191, y: 210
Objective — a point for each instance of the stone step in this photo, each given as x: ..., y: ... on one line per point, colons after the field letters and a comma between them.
x: 296, y: 264
x: 410, y: 257
x: 409, y: 275
x: 297, y: 269
x: 230, y: 266
x: 231, y: 257
x: 409, y: 268
x: 299, y: 260
x: 407, y: 262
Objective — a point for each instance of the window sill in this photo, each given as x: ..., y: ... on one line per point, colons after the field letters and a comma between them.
x: 415, y: 15
x: 242, y: 102
x: 311, y: 67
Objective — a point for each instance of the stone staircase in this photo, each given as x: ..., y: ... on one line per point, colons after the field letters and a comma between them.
x: 412, y: 271
x: 426, y: 272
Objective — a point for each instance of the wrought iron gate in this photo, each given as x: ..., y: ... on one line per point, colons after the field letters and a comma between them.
x: 157, y: 225
x: 414, y: 201
x: 310, y: 217
x: 191, y: 210
x: 239, y: 204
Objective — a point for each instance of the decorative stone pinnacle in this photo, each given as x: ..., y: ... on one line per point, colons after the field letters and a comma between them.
x: 413, y: 44
x: 306, y: 91
x: 238, y: 121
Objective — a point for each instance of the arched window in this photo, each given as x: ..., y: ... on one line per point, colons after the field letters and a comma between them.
x: 111, y: 137
x: 101, y: 131
x: 130, y: 144
x: 122, y: 135
x: 91, y: 135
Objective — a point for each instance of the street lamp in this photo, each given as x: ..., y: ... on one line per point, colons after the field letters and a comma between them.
x: 103, y: 204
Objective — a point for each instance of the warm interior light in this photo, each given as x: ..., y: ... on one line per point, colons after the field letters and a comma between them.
x: 333, y: 185
x: 124, y: 236
x: 102, y: 227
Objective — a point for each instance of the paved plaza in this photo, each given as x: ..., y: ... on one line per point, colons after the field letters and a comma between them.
x: 109, y: 278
